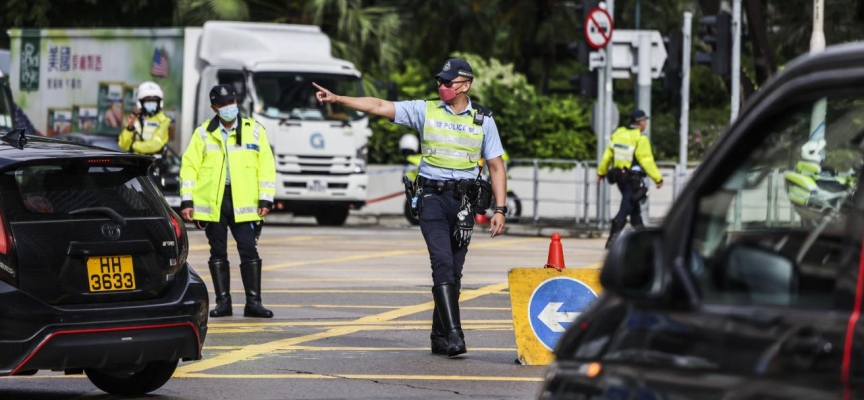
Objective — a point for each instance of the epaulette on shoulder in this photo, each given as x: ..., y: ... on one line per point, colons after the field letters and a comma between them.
x: 482, y: 110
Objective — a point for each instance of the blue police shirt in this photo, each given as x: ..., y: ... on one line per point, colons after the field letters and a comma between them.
x: 412, y: 113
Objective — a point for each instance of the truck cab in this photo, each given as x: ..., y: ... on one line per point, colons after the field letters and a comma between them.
x: 320, y: 150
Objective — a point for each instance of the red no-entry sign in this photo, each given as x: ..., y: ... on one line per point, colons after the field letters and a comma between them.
x: 598, y: 28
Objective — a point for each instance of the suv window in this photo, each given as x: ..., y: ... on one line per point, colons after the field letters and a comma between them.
x: 50, y: 192
x: 773, y: 232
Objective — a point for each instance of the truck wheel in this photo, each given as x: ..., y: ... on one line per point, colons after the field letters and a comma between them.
x: 332, y: 216
x: 407, y: 210
x: 152, y: 377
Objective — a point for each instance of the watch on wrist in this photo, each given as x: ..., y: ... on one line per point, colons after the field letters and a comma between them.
x: 503, y: 209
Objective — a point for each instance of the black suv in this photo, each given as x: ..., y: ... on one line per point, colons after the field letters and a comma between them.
x: 753, y: 286
x: 93, y: 272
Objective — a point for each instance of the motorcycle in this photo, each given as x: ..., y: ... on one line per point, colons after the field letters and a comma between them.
x: 815, y: 194
x: 513, y: 203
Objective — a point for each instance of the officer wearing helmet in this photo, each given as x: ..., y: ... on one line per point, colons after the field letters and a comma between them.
x: 146, y: 131
x: 454, y: 135
x: 626, y: 162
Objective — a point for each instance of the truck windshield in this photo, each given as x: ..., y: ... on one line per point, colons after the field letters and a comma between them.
x: 291, y: 95
x: 5, y: 109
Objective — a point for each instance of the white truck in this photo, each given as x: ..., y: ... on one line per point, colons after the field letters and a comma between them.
x: 84, y: 80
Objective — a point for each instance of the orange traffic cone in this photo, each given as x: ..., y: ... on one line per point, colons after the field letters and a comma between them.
x: 556, y: 253
x: 481, y: 219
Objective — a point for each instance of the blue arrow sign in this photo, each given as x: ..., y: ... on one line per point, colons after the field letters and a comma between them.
x: 554, y: 305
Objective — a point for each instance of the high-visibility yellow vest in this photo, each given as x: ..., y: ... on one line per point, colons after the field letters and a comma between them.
x: 625, y: 146
x: 450, y: 141
x: 251, y: 165
x: 154, y: 135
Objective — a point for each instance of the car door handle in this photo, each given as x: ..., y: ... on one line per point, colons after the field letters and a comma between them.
x: 812, y: 344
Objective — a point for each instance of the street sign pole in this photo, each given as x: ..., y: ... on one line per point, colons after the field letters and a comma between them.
x: 817, y: 44
x: 736, y: 58
x: 685, y: 94
x: 601, y: 137
x: 644, y: 79
x: 607, y: 114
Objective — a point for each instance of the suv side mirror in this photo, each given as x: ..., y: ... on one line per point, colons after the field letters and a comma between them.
x: 633, y: 267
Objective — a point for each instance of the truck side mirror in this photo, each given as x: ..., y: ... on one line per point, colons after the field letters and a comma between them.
x: 633, y: 267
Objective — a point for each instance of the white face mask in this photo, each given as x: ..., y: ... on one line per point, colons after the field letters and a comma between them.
x: 151, y: 106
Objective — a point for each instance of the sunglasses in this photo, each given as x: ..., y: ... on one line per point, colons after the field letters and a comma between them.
x: 449, y: 84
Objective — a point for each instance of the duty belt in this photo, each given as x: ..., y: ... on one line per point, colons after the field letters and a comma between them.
x: 438, y: 186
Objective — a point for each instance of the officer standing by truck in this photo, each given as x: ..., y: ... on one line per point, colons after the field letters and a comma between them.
x: 631, y: 159
x: 454, y: 135
x: 146, y: 131
x: 228, y: 181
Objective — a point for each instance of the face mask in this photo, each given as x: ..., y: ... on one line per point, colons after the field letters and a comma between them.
x: 447, y: 94
x: 229, y: 112
x: 151, y: 106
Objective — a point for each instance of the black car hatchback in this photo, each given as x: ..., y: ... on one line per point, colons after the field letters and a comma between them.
x: 93, y: 272
x: 753, y: 286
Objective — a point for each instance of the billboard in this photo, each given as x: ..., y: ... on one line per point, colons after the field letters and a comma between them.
x: 85, y: 80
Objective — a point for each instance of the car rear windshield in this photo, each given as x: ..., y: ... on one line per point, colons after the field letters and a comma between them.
x: 52, y: 192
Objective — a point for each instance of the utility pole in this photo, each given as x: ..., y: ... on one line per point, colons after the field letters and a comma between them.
x: 817, y: 44
x: 736, y: 58
x: 607, y: 112
x: 683, y: 134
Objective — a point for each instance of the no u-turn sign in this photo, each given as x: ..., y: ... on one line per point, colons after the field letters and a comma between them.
x: 598, y: 28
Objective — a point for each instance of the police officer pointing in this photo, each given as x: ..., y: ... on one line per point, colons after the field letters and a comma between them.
x: 630, y: 156
x: 229, y: 181
x: 454, y: 135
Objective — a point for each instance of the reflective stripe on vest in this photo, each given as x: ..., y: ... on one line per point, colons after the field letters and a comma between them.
x: 623, y: 143
x: 450, y: 141
x: 623, y: 152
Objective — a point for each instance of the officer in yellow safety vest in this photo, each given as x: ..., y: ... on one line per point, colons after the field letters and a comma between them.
x: 630, y: 156
x: 146, y: 131
x: 228, y: 180
x: 454, y: 135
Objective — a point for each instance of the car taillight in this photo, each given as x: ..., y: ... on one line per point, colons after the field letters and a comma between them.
x: 177, y: 231
x: 5, y: 237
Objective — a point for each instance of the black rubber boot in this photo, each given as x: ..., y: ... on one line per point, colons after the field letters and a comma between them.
x: 446, y: 296
x: 221, y: 275
x: 617, y: 227
x: 251, y: 274
x: 438, y: 337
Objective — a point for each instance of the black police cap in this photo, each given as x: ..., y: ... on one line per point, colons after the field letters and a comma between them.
x: 455, y: 67
x: 221, y: 94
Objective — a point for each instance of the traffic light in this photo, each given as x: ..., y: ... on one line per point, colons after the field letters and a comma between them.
x: 585, y: 82
x: 673, y: 67
x: 716, y: 31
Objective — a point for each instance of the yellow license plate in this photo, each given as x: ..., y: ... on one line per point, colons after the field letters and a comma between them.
x: 110, y: 273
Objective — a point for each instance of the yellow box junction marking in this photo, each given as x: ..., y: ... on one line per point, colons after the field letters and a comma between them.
x: 255, y: 350
x: 561, y: 298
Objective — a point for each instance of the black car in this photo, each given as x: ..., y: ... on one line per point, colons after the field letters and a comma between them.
x: 753, y: 286
x: 93, y: 271
x: 166, y: 168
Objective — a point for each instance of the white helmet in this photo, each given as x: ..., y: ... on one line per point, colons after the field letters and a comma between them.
x: 149, y: 89
x: 409, y: 144
x: 813, y: 151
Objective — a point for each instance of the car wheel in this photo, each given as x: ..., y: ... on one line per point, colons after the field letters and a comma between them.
x: 514, y: 208
x: 332, y: 216
x: 407, y: 210
x: 152, y: 377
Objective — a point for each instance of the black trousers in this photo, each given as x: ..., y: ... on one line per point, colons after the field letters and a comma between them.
x: 243, y: 232
x: 437, y: 222
x: 628, y: 206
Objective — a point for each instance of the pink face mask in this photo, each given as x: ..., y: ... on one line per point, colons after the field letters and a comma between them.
x: 447, y: 94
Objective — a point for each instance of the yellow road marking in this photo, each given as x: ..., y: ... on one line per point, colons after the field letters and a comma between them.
x: 368, y: 377
x: 255, y: 350
x: 260, y: 242
x: 350, y: 323
x: 318, y: 376
x: 385, y: 254
x: 358, y: 328
x: 366, y: 307
x: 369, y: 291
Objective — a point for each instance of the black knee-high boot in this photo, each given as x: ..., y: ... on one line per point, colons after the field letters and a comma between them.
x: 439, y: 335
x: 250, y: 271
x: 446, y: 297
x: 219, y: 271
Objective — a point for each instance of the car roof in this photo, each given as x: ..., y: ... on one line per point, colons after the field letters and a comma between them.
x: 42, y: 148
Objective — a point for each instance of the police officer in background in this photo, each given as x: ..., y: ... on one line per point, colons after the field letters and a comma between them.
x: 228, y: 181
x: 146, y: 131
x: 630, y: 156
x: 454, y: 135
